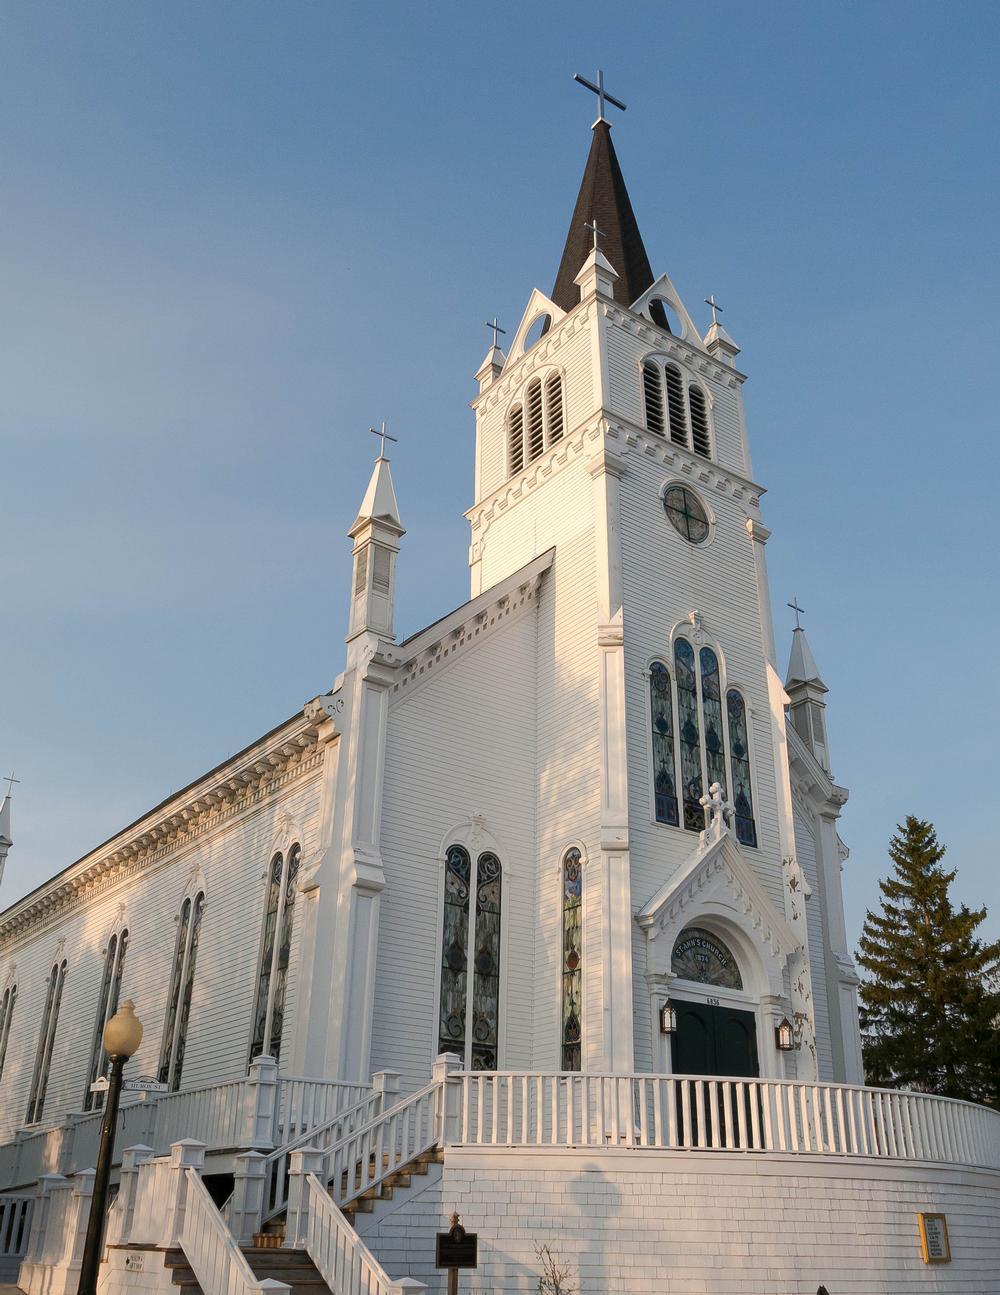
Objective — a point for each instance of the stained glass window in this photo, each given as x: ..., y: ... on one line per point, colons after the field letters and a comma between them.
x: 699, y: 955
x: 454, y: 952
x: 107, y: 1005
x: 6, y: 1012
x: 275, y: 954
x: 739, y: 754
x: 572, y: 961
x: 181, y: 989
x: 711, y: 708
x: 486, y: 969
x: 690, y: 735
x: 46, y: 1040
x: 664, y: 769
x: 686, y: 513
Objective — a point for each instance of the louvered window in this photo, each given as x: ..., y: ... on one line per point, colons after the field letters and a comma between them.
x: 699, y: 422
x: 515, y: 439
x: 46, y: 1040
x: 675, y: 405
x: 554, y: 407
x: 536, y: 431
x: 361, y: 571
x: 6, y: 1012
x: 107, y: 1005
x: 652, y: 387
x: 381, y: 569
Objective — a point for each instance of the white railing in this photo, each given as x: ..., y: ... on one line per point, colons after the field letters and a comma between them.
x: 210, y: 1249
x: 344, y: 1261
x: 518, y: 1108
x: 323, y: 1137
x: 306, y: 1104
x: 15, y: 1228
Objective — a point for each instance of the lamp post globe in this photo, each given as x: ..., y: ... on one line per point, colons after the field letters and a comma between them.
x: 121, y: 1039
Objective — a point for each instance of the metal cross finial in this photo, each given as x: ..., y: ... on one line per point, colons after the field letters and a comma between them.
x: 602, y: 94
x: 799, y: 611
x: 716, y: 308
x: 10, y: 780
x: 385, y: 437
x: 598, y: 233
x: 492, y: 323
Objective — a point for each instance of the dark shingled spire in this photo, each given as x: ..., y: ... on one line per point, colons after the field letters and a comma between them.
x: 604, y: 198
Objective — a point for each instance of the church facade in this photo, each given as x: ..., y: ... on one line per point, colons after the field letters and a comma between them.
x: 577, y: 828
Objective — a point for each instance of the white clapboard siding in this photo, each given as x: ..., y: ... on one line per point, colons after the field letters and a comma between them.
x: 805, y: 851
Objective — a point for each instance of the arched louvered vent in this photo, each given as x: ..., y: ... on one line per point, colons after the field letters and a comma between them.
x: 515, y: 439
x: 699, y: 422
x: 554, y: 407
x: 536, y: 432
x: 652, y: 388
x: 675, y: 405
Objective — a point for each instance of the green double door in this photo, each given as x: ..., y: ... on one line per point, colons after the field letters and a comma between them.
x: 714, y: 1041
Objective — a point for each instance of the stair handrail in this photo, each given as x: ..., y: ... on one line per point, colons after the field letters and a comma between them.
x: 211, y: 1250
x: 343, y: 1260
x: 369, y: 1107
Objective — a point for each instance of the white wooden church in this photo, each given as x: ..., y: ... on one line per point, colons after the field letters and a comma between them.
x: 586, y: 984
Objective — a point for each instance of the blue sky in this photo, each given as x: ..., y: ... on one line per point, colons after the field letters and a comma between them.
x: 234, y: 235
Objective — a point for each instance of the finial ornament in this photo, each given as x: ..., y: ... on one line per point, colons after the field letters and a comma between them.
x: 716, y: 308
x: 718, y: 810
x: 799, y: 611
x: 10, y: 780
x: 375, y: 431
x: 598, y: 233
x: 602, y: 94
x: 492, y: 323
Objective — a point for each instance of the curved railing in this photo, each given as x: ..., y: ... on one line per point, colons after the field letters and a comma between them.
x: 523, y: 1108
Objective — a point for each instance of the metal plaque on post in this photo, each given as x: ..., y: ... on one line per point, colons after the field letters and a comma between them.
x: 456, y: 1249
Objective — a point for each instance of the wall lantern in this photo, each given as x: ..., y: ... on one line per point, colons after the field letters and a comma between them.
x: 784, y: 1036
x: 668, y: 1018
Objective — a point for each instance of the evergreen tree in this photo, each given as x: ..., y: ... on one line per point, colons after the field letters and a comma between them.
x: 930, y: 1006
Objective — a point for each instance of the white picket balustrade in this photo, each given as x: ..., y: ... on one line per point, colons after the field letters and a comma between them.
x: 210, y: 1249
x: 520, y: 1108
x: 211, y: 1114
x: 344, y: 1261
x: 306, y: 1104
x: 15, y: 1224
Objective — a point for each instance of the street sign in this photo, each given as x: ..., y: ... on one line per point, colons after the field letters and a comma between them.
x: 143, y: 1086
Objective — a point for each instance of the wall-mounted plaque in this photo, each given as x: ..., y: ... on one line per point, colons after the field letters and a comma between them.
x: 934, y: 1243
x: 457, y: 1248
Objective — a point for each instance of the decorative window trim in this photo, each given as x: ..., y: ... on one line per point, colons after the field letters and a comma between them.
x: 579, y: 849
x: 284, y: 924
x: 55, y: 985
x: 553, y: 426
x: 109, y: 994
x: 710, y: 512
x: 662, y: 416
x: 182, y: 971
x: 8, y: 1001
x: 647, y: 675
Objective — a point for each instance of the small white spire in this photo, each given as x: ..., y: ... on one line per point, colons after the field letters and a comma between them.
x: 6, y: 840
x: 379, y: 503
x: 802, y: 667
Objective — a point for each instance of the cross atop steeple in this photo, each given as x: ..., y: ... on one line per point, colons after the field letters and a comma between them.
x: 716, y: 308
x: 10, y: 780
x: 799, y: 611
x: 385, y: 437
x: 602, y: 94
x: 598, y: 233
x: 492, y: 323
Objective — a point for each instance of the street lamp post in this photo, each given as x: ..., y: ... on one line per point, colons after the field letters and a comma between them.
x: 122, y: 1035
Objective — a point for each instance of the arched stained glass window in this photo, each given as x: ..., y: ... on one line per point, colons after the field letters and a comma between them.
x: 107, y: 1005
x: 711, y: 707
x: 455, y: 951
x: 46, y: 1040
x: 469, y: 1019
x: 572, y: 960
x: 661, y: 705
x: 690, y: 736
x: 275, y: 954
x: 6, y: 1013
x: 486, y: 970
x: 739, y: 755
x: 181, y: 989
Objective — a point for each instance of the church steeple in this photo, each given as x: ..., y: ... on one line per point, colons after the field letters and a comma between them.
x: 6, y: 840
x: 806, y: 691
x: 603, y: 199
x: 376, y: 533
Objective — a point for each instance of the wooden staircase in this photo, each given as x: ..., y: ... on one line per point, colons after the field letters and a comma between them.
x: 291, y: 1266
x: 364, y: 1202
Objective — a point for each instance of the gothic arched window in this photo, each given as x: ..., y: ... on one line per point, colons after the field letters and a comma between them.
x: 470, y: 959
x: 675, y: 405
x: 553, y: 408
x: 711, y: 709
x: 572, y: 959
x: 689, y: 729
x: 661, y: 705
x: 739, y: 756
x: 652, y: 391
x: 276, y: 945
x: 515, y: 439
x: 46, y: 1039
x: 6, y: 1012
x: 536, y: 420
x: 107, y: 1005
x: 699, y: 421
x: 181, y: 988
